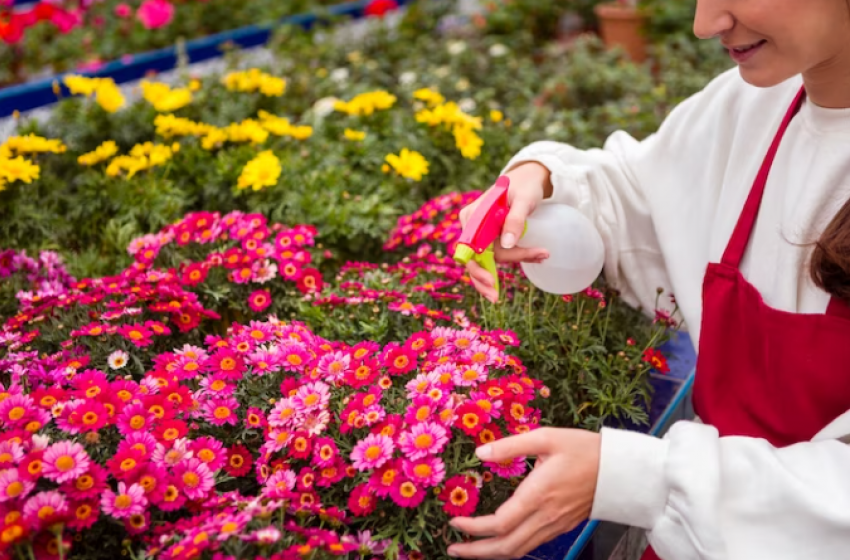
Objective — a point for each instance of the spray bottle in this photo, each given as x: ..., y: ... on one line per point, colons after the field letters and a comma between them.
x: 576, y: 252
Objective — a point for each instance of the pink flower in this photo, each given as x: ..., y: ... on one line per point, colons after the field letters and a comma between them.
x: 508, y: 469
x: 426, y: 472
x: 460, y: 496
x: 123, y: 11
x: 311, y: 396
x: 128, y: 501
x: 259, y: 300
x: 13, y: 486
x: 155, y: 13
x: 334, y: 366
x: 280, y: 484
x: 65, y: 461
x: 45, y: 508
x: 426, y: 438
x: 372, y: 452
x: 221, y: 411
x: 135, y: 418
x: 407, y: 494
x: 324, y: 452
x: 469, y: 376
x: 195, y: 478
x: 210, y: 451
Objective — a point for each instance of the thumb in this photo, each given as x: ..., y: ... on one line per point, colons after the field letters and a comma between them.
x: 515, y: 222
x: 537, y: 442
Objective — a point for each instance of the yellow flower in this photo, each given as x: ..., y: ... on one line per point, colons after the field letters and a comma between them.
x: 354, y: 134
x: 194, y: 84
x: 301, y: 132
x: 214, y: 138
x: 254, y: 80
x: 129, y: 164
x: 496, y: 116
x: 18, y: 169
x: 468, y: 142
x: 429, y: 96
x: 106, y: 92
x: 409, y: 164
x: 366, y: 103
x: 31, y: 144
x: 108, y: 96
x: 163, y: 98
x: 169, y: 126
x: 99, y: 154
x: 262, y: 171
x: 248, y: 130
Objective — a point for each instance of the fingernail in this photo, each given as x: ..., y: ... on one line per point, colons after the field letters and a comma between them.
x: 451, y: 552
x: 484, y: 452
x: 508, y: 240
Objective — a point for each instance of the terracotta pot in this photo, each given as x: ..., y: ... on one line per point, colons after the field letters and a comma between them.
x: 622, y: 26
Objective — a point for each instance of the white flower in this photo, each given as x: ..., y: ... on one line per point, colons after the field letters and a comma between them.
x: 324, y: 106
x: 266, y: 272
x: 339, y: 75
x: 456, y: 47
x: 442, y: 71
x: 40, y: 442
x: 498, y: 50
x: 553, y: 128
x: 462, y: 84
x: 118, y: 359
x: 467, y: 105
x: 407, y: 78
x: 525, y: 125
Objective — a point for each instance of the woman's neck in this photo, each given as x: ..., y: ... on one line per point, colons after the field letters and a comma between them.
x: 828, y: 83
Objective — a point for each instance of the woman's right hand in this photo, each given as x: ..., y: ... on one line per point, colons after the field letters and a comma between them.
x: 530, y: 184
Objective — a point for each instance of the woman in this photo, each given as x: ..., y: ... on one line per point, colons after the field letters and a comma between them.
x: 739, y: 206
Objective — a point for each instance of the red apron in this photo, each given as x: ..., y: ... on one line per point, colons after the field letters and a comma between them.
x: 762, y: 372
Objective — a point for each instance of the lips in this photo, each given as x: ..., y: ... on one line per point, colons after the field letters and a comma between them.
x: 746, y: 48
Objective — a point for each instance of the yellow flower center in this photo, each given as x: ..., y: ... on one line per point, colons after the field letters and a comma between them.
x: 65, y: 463
x: 123, y: 501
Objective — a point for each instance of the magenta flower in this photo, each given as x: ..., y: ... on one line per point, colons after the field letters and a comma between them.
x: 195, y: 478
x: 65, y: 461
x: 280, y: 484
x: 135, y: 418
x: 426, y: 472
x: 155, y: 13
x: 508, y: 469
x: 407, y: 494
x: 210, y: 451
x: 427, y: 438
x: 259, y: 300
x: 13, y: 486
x: 129, y: 500
x: 372, y: 452
x: 324, y: 452
x: 221, y: 411
x: 334, y: 366
x: 123, y: 11
x: 469, y: 376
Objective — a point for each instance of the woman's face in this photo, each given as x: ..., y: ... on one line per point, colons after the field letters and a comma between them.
x: 773, y: 40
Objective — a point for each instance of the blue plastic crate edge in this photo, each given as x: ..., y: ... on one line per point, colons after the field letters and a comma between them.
x: 32, y: 95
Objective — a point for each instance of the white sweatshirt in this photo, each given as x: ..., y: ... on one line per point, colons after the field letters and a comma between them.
x: 666, y: 207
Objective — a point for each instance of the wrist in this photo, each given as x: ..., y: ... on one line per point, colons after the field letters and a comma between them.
x: 533, y: 173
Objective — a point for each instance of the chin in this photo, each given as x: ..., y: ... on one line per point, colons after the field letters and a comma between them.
x: 762, y: 77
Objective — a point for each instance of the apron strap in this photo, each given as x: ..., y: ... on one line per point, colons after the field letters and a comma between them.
x: 838, y: 308
x: 741, y: 235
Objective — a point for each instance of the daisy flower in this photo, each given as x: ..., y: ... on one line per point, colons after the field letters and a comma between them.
x: 227, y: 362
x: 508, y: 469
x: 65, y: 461
x: 470, y: 418
x: 426, y: 438
x: 219, y: 411
x: 138, y: 523
x: 294, y: 357
x: 426, y: 472
x: 210, y: 451
x: 255, y: 419
x: 284, y: 414
x: 129, y: 500
x: 134, y: 418
x: 334, y: 366
x: 459, y: 496
x: 372, y: 452
x: 83, y: 514
x: 13, y: 486
x: 138, y: 334
x: 280, y: 484
x: 172, y: 499
x: 362, y: 501
x: 45, y: 508
x: 407, y: 494
x: 259, y: 300
x: 117, y: 359
x: 469, y: 376
x: 324, y: 452
x: 195, y: 478
x: 400, y: 361
x: 312, y: 396
x: 239, y: 461
x: 87, y: 485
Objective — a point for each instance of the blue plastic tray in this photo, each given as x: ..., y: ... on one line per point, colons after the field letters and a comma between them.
x: 31, y: 95
x: 670, y: 393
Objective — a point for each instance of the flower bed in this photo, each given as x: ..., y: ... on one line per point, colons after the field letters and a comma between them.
x: 57, y: 37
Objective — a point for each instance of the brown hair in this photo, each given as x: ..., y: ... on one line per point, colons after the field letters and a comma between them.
x: 830, y: 268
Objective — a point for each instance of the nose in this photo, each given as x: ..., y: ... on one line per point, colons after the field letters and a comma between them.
x: 712, y: 18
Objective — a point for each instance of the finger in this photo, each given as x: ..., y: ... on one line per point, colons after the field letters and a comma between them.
x: 515, y: 222
x: 536, y: 442
x: 482, y: 281
x: 520, y: 254
x: 511, y: 545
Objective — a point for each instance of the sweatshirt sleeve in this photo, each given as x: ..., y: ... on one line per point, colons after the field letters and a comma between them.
x: 634, y: 191
x: 703, y: 497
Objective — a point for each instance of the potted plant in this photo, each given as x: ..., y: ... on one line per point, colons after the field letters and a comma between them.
x: 621, y: 24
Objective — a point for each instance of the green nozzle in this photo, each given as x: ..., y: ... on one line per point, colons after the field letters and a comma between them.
x: 463, y: 253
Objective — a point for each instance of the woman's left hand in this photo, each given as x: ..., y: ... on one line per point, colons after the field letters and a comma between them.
x: 553, y: 499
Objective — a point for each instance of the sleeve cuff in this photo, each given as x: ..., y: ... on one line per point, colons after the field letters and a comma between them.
x: 631, y: 488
